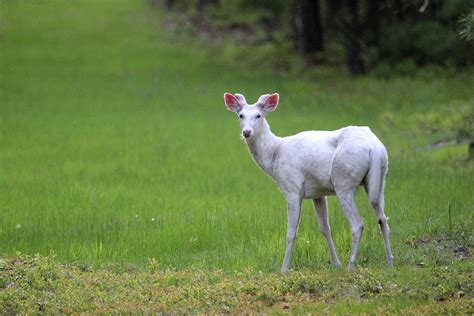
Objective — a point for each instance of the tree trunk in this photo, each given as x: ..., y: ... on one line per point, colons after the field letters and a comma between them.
x: 306, y: 26
x: 169, y: 3
x: 399, y: 10
x: 296, y: 25
x: 372, y: 21
x: 471, y: 150
x: 333, y: 8
x: 352, y: 35
x: 312, y: 28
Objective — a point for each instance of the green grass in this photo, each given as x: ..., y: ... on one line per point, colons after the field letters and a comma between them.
x: 108, y: 124
x: 116, y: 147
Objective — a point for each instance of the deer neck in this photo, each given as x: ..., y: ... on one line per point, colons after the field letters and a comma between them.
x: 263, y: 148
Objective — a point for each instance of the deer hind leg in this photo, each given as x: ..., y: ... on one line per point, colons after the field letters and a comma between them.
x: 349, y: 167
x: 321, y: 210
x: 377, y: 203
x: 347, y: 200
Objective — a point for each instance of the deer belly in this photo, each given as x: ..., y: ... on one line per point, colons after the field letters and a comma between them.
x: 314, y: 189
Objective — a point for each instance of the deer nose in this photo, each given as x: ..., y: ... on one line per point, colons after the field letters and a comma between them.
x: 246, y: 133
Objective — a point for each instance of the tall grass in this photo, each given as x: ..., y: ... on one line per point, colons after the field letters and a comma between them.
x: 115, y: 147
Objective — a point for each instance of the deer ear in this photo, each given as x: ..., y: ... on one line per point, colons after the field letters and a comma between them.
x: 268, y: 102
x: 241, y: 99
x: 231, y: 103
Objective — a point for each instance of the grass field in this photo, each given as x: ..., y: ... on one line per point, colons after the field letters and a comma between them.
x: 116, y: 147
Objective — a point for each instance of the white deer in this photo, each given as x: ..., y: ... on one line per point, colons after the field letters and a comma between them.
x: 315, y: 164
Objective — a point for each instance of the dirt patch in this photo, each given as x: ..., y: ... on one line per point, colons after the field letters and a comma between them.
x: 455, y: 246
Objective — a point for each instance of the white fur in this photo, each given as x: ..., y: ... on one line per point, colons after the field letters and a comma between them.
x: 315, y: 164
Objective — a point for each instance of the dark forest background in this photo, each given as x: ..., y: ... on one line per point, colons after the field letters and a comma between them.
x: 361, y: 34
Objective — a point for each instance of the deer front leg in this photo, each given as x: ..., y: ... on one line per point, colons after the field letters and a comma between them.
x: 294, y: 211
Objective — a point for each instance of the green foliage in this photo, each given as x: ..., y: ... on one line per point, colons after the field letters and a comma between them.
x: 450, y: 124
x: 423, y: 42
x: 454, y: 122
x: 467, y: 26
x: 276, y: 8
x: 277, y: 55
x: 426, y: 37
x: 233, y: 15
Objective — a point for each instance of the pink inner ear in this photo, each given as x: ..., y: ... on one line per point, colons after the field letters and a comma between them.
x: 272, y: 101
x: 230, y: 101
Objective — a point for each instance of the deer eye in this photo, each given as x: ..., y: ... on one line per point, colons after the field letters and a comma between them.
x: 258, y: 116
x: 241, y: 116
